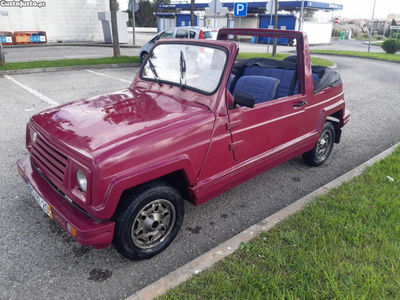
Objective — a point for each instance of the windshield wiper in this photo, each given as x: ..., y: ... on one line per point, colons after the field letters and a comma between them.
x: 182, y: 64
x: 153, y: 70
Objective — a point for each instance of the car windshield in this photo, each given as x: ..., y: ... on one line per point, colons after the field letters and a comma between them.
x: 193, y: 66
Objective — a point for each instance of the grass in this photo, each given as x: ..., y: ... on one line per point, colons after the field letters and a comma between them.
x: 122, y: 60
x: 381, y: 56
x: 280, y: 56
x: 69, y: 63
x: 343, y: 245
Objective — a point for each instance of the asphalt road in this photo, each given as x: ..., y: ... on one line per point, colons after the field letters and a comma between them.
x: 22, y: 54
x: 40, y: 261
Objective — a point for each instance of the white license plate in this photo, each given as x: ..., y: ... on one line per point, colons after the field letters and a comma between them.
x: 43, y: 204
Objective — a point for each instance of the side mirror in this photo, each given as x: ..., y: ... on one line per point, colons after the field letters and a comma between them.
x: 244, y: 99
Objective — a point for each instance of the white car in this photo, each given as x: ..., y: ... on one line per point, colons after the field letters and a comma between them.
x: 184, y: 32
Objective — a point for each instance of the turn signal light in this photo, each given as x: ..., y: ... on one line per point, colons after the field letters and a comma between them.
x: 71, y: 229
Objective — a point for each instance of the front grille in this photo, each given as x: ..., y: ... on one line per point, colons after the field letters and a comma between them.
x: 48, y: 159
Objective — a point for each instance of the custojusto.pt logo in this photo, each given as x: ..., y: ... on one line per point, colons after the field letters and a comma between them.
x: 22, y: 3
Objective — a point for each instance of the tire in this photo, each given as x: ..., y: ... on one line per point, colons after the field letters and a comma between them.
x: 148, y: 221
x: 143, y: 56
x: 323, y: 148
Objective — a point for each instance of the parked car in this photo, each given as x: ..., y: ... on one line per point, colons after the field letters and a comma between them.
x: 184, y: 32
x: 116, y: 168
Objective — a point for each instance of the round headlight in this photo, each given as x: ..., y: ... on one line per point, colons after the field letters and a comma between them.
x: 81, y: 179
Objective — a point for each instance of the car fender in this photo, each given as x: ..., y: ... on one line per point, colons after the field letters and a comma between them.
x: 330, y: 110
x: 137, y: 176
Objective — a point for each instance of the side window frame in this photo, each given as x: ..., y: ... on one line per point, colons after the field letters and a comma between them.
x: 172, y: 31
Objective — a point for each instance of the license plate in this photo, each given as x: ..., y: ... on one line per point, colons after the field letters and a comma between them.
x: 43, y: 204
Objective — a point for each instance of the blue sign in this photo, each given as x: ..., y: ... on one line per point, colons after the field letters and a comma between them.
x: 240, y: 9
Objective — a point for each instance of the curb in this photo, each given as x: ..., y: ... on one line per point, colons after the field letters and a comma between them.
x: 72, y: 68
x: 208, y: 259
x: 342, y: 55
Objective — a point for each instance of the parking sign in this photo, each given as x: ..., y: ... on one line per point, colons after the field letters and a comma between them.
x: 240, y: 9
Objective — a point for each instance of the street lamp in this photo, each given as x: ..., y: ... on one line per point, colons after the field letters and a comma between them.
x: 372, y: 27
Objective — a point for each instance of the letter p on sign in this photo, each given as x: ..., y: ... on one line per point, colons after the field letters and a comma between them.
x: 240, y: 9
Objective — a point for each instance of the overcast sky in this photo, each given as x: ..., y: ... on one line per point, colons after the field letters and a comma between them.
x: 363, y: 8
x: 351, y: 8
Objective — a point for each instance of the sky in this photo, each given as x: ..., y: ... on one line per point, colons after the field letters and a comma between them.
x: 363, y: 8
x: 351, y: 8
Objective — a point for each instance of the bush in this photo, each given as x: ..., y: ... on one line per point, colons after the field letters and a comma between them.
x: 391, y: 46
x: 365, y: 35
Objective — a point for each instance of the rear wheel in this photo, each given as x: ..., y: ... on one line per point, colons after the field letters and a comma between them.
x: 149, y: 221
x: 323, y: 148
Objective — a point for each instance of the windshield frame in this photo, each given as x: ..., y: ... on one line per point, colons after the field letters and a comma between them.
x: 186, y: 42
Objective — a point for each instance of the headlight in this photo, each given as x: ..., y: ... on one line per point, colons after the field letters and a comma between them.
x: 32, y: 135
x: 81, y: 178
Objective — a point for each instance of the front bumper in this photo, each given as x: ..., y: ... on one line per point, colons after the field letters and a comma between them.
x: 88, y: 231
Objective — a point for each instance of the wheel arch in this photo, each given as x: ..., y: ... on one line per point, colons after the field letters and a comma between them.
x: 179, y: 173
x: 335, y: 114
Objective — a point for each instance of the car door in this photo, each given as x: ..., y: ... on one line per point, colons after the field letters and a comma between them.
x: 268, y: 128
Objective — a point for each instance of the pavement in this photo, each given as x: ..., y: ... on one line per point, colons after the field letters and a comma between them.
x: 39, y: 260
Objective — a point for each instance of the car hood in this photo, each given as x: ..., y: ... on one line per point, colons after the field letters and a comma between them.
x: 102, y: 121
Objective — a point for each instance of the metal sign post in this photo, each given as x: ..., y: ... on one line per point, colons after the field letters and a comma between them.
x: 240, y: 10
x: 133, y: 7
x: 372, y: 27
x: 215, y: 7
x: 301, y: 15
x: 271, y: 10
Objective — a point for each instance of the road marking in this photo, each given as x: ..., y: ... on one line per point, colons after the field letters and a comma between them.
x: 101, y: 74
x: 33, y: 92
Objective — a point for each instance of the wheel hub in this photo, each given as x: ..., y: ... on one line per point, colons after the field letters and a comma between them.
x: 153, y: 224
x: 324, y: 144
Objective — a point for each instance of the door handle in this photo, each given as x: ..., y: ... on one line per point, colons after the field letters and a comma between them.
x: 300, y: 104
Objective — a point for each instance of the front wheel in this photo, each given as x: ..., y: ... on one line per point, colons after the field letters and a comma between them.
x: 149, y: 221
x: 323, y: 148
x: 143, y: 56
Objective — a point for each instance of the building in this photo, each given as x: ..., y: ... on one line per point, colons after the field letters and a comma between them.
x: 69, y: 20
x: 318, y: 17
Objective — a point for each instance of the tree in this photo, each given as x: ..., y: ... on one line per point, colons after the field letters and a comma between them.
x: 192, y: 12
x: 394, y: 22
x: 114, y: 28
x: 145, y: 17
x: 275, y: 27
x: 2, y: 58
